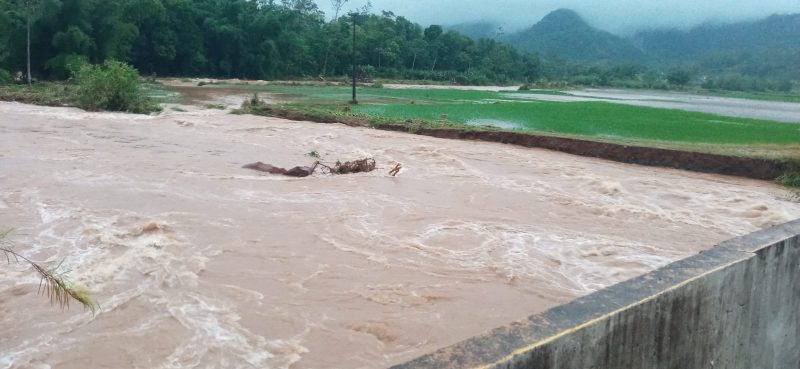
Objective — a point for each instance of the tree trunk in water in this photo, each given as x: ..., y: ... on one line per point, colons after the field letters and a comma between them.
x: 29, y: 50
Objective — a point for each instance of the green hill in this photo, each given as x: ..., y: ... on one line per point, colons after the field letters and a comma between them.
x: 477, y: 30
x: 778, y: 32
x: 565, y: 34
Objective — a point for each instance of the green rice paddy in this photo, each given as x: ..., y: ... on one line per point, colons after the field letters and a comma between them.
x: 508, y: 110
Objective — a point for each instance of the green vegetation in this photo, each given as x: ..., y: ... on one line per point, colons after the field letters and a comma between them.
x: 564, y: 33
x: 53, y: 284
x: 605, y: 120
x: 42, y: 93
x: 509, y: 110
x: 112, y: 86
x: 246, y: 39
x: 292, y: 39
x: 790, y: 179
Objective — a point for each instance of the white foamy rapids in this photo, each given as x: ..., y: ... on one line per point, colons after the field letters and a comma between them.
x: 199, y: 263
x: 127, y: 257
x: 568, y: 261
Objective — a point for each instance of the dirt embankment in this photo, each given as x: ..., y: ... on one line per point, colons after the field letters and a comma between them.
x: 694, y: 161
x: 748, y: 167
x: 741, y: 166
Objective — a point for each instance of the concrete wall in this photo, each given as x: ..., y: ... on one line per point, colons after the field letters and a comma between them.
x: 736, y: 306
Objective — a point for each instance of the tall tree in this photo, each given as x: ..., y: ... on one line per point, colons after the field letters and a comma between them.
x: 337, y: 7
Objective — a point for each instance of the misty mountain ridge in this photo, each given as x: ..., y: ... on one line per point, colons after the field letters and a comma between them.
x: 565, y: 34
x: 478, y: 30
x: 774, y: 33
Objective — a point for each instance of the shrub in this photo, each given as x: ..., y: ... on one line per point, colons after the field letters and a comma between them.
x: 784, y: 86
x: 679, y: 77
x: 5, y: 77
x: 65, y: 65
x: 791, y: 179
x: 112, y: 86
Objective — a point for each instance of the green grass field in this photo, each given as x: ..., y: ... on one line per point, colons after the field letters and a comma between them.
x: 593, y: 120
x: 600, y: 119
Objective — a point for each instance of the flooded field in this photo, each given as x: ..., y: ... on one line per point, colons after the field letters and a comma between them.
x: 743, y: 108
x: 198, y: 263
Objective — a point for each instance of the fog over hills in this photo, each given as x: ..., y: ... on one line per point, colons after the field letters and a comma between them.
x: 565, y: 34
x: 773, y: 42
x: 622, y: 17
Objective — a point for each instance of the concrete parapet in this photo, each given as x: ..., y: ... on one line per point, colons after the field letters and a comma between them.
x: 735, y: 306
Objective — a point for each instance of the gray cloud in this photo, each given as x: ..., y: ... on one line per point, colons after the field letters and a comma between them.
x: 619, y: 16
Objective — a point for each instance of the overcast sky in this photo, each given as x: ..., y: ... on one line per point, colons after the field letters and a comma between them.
x: 618, y: 16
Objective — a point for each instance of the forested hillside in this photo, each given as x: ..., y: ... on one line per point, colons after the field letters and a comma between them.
x: 268, y: 39
x: 244, y: 39
x: 565, y: 34
x: 768, y: 48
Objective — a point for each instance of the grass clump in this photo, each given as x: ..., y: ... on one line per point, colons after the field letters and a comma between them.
x: 41, y: 93
x: 53, y: 284
x: 255, y: 106
x: 791, y: 179
x: 5, y: 77
x: 112, y: 86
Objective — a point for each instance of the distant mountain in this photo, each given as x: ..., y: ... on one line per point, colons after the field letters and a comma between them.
x: 477, y: 30
x: 565, y: 34
x: 778, y: 33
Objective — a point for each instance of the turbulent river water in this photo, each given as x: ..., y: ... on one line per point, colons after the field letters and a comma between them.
x: 198, y: 263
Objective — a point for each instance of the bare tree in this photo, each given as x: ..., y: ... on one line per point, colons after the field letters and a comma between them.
x: 337, y: 7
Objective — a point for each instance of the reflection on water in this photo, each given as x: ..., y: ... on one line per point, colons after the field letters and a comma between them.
x: 198, y: 263
x: 494, y: 123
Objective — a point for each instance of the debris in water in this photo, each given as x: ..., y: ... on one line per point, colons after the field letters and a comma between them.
x: 294, y: 172
x: 150, y: 228
x: 396, y: 170
x: 349, y: 167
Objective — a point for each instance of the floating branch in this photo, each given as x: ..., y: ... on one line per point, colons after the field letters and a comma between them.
x: 348, y: 167
x: 396, y: 170
x: 294, y: 172
x: 57, y: 288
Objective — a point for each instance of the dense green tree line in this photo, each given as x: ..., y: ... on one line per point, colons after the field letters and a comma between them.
x: 261, y: 39
x: 275, y: 39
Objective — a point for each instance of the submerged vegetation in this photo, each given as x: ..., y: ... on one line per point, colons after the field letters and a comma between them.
x: 112, y: 86
x: 54, y: 285
x: 792, y: 180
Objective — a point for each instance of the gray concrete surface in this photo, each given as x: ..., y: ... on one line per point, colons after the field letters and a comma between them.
x: 736, y: 306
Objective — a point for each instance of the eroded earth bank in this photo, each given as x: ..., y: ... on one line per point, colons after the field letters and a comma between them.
x: 198, y: 263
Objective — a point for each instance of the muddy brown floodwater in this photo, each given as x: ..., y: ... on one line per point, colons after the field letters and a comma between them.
x: 198, y: 263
